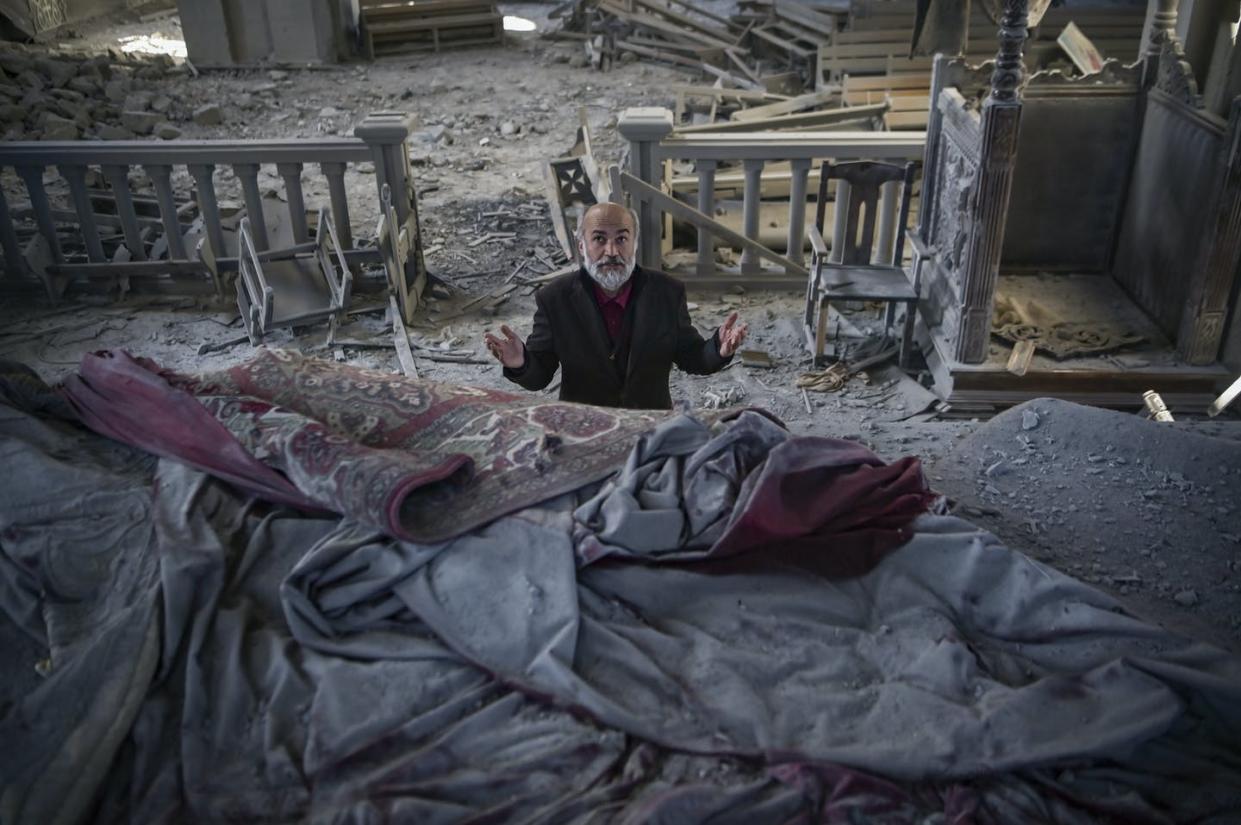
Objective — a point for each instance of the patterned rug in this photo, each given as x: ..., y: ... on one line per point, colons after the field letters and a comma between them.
x: 423, y: 461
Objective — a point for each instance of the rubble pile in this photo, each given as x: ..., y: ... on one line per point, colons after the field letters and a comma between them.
x: 109, y: 96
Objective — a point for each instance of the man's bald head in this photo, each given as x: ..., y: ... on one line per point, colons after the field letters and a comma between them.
x: 609, y: 217
x: 606, y: 238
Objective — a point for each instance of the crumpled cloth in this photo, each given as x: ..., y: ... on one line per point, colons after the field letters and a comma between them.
x: 216, y: 658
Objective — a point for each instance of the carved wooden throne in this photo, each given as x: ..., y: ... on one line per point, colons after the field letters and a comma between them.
x: 1123, y: 174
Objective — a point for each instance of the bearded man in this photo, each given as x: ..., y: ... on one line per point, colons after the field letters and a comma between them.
x: 613, y: 328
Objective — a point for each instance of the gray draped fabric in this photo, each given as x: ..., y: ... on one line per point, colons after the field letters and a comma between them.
x: 214, y: 658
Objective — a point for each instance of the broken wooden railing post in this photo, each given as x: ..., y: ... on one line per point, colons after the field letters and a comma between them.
x: 797, y: 209
x: 751, y: 199
x: 644, y: 128
x: 706, y: 205
x: 13, y: 259
x: 386, y: 134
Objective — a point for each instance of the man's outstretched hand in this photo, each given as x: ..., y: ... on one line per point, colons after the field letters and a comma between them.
x: 509, y: 350
x: 732, y: 335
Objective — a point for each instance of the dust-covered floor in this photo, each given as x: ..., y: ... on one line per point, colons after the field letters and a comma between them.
x: 1159, y: 531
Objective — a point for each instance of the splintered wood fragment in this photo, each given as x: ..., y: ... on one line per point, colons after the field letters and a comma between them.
x: 491, y: 237
x: 756, y: 358
x: 491, y: 295
x: 1019, y: 361
x: 464, y: 308
x: 553, y: 275
x: 524, y: 263
x: 452, y: 359
x: 404, y: 353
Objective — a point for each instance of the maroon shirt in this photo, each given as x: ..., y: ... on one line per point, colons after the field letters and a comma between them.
x: 613, y: 308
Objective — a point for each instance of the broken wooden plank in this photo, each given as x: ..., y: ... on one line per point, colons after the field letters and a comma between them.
x: 800, y: 103
x: 686, y: 21
x: 401, y: 338
x: 1019, y: 360
x: 644, y: 191
x: 741, y: 95
x: 800, y: 120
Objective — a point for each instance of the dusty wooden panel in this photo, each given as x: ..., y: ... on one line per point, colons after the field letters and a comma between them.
x: 1074, y: 153
x: 1173, y: 176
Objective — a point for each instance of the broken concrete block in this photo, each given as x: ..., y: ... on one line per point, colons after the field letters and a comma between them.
x: 161, y: 104
x: 68, y: 96
x: 85, y: 84
x: 1186, y: 598
x: 140, y: 122
x: 116, y: 89
x: 98, y: 66
x: 106, y: 112
x: 432, y: 134
x: 15, y: 62
x: 508, y: 128
x: 209, y: 115
x: 137, y: 102
x: 108, y: 131
x: 59, y: 72
x: 56, y: 127
x: 166, y: 131
x: 277, y: 75
x: 32, y: 80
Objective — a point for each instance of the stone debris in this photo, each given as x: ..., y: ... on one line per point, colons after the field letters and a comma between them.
x: 209, y: 115
x: 70, y: 96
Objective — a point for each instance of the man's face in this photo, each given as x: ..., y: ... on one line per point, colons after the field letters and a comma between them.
x: 607, y: 245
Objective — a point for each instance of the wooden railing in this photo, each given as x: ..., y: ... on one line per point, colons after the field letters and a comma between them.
x: 652, y: 140
x: 380, y: 139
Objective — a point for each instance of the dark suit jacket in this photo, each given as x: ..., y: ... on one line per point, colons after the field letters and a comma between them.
x: 569, y: 332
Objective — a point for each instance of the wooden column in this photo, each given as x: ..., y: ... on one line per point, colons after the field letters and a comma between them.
x: 292, y: 175
x: 644, y: 128
x: 750, y: 204
x: 1160, y: 28
x: 248, y: 174
x: 15, y: 263
x: 706, y: 205
x: 1206, y: 307
x: 1001, y: 118
x: 209, y: 206
x: 797, y: 211
x: 161, y: 176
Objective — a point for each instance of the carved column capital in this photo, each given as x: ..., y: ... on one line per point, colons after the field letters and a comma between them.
x: 1006, y: 78
x: 1163, y: 27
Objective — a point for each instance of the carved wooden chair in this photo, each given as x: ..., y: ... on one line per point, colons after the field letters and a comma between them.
x: 299, y: 285
x: 847, y: 272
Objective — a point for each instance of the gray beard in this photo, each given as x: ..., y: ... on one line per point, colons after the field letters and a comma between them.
x: 611, y: 280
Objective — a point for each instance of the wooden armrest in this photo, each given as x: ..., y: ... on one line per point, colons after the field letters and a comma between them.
x: 271, y: 255
x: 816, y: 239
x: 920, y: 246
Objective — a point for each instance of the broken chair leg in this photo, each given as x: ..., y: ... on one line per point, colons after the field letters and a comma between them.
x: 1158, y: 409
x: 1225, y: 398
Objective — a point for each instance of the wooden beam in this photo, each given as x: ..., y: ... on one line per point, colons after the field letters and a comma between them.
x: 786, y: 107
x: 646, y: 192
x: 400, y: 337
